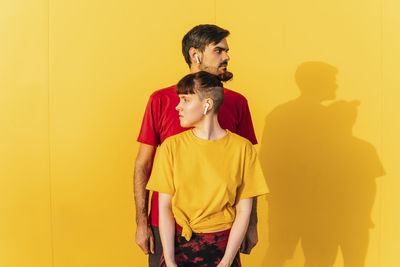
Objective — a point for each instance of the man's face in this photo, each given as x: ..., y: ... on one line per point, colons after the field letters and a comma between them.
x: 215, y: 58
x: 190, y: 109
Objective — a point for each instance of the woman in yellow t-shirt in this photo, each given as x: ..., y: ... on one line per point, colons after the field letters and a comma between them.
x: 207, y: 178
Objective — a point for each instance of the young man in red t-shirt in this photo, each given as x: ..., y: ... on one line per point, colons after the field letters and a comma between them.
x: 204, y: 48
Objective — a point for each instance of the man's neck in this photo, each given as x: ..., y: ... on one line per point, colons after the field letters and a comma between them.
x: 194, y: 68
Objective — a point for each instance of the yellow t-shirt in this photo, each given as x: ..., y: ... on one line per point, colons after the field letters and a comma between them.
x: 206, y: 179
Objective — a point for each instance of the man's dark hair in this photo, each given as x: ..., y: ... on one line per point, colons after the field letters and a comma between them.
x: 201, y: 36
x: 205, y: 85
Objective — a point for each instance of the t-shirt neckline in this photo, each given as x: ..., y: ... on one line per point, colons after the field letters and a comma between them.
x: 206, y: 141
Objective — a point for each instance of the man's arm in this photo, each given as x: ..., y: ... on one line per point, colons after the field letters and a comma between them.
x: 143, y: 165
x: 251, y: 237
x: 246, y: 129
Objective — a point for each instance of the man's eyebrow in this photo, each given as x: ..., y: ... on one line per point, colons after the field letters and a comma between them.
x: 221, y: 48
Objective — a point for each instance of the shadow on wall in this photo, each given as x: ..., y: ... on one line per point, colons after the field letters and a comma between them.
x: 321, y: 177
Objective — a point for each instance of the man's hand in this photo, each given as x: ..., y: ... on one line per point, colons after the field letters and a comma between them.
x: 144, y: 162
x: 145, y: 238
x: 250, y: 240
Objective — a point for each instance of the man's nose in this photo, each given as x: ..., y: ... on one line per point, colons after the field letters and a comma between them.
x: 227, y: 57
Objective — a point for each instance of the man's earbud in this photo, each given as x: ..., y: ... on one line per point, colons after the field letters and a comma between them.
x: 207, y: 106
x: 197, y: 58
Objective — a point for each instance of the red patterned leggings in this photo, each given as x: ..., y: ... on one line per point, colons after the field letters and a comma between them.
x: 202, y: 250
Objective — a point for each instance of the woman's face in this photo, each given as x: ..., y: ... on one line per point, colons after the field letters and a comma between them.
x: 190, y: 110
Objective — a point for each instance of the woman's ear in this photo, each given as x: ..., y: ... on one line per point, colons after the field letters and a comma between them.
x: 209, y: 104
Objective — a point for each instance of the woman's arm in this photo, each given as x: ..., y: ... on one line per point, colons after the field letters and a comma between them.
x: 167, y: 228
x: 238, y: 231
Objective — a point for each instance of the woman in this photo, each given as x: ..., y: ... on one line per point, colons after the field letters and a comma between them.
x: 207, y: 178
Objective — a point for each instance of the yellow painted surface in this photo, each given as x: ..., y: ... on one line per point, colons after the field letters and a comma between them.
x: 25, y: 222
x: 359, y: 39
x: 75, y: 79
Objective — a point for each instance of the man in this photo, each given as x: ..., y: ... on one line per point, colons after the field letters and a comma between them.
x: 204, y: 48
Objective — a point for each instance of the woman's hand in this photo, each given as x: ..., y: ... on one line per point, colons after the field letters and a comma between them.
x: 238, y: 230
x: 167, y: 228
x: 171, y: 264
x: 224, y: 263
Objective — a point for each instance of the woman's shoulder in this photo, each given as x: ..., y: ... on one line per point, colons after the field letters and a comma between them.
x: 176, y: 138
x: 239, y: 140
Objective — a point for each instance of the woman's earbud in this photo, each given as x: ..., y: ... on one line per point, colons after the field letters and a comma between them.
x: 207, y: 106
x: 197, y: 58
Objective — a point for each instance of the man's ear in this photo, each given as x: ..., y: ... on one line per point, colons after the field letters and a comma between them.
x: 194, y: 55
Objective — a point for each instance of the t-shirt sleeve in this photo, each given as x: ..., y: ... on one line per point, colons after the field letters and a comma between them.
x: 149, y: 131
x: 161, y: 178
x: 245, y: 127
x: 253, y: 181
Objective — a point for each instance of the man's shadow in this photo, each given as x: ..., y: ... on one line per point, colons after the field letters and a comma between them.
x: 321, y: 177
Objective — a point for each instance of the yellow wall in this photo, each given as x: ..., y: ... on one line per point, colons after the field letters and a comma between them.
x: 75, y: 79
x: 25, y: 203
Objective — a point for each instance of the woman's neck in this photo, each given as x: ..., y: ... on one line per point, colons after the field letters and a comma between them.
x: 209, y: 128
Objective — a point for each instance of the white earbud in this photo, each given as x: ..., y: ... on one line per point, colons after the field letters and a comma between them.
x: 197, y: 58
x: 205, y: 111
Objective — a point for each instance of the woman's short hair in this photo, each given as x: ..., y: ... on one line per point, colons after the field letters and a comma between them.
x: 205, y: 85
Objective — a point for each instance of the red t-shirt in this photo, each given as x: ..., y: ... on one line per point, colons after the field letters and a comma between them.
x: 161, y: 120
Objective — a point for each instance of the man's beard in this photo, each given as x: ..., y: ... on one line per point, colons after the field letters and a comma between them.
x: 225, y: 76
